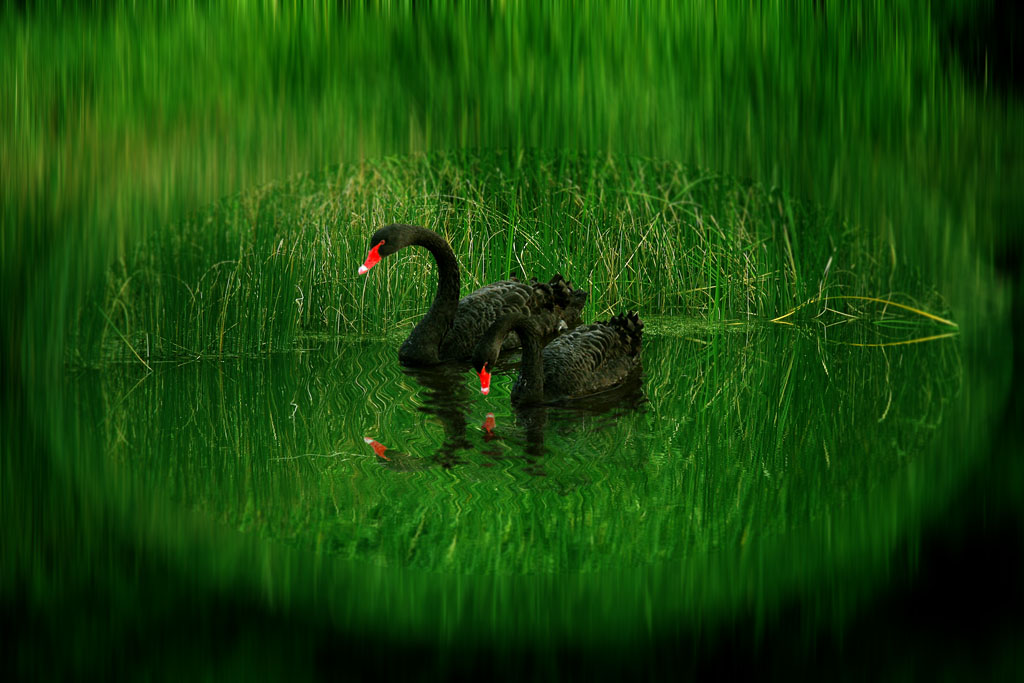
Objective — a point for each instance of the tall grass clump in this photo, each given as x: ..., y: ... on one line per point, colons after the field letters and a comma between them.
x: 262, y: 269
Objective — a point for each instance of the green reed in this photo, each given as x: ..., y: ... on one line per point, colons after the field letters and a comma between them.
x: 108, y: 150
x: 260, y: 270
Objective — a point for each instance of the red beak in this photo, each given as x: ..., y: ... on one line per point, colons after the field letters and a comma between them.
x: 485, y: 380
x: 371, y: 259
x: 377, y: 447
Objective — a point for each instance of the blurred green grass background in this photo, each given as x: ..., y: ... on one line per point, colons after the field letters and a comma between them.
x: 121, y: 121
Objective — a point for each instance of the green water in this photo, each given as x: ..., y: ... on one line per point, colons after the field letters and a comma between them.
x: 752, y: 461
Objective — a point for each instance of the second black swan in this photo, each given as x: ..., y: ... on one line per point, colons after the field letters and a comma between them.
x: 451, y: 328
x: 589, y: 359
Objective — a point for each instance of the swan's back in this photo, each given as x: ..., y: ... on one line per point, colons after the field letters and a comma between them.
x: 594, y: 357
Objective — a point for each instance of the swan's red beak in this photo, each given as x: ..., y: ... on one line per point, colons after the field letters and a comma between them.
x: 485, y: 380
x: 372, y: 259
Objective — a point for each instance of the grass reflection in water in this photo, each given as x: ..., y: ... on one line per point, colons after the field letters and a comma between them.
x: 737, y: 433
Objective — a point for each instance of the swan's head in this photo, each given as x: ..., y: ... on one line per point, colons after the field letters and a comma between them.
x: 385, y: 242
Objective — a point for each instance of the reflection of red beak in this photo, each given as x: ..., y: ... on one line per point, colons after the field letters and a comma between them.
x: 488, y: 424
x: 377, y: 447
x: 372, y: 259
x: 485, y: 380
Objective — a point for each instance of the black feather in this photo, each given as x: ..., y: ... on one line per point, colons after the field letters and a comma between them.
x: 587, y: 360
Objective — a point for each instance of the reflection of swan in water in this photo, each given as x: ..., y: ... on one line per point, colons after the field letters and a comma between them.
x: 533, y: 422
x: 447, y: 397
x: 395, y: 460
x: 488, y: 427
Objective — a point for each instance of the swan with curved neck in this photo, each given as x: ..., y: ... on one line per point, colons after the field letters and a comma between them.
x: 452, y: 326
x: 588, y: 360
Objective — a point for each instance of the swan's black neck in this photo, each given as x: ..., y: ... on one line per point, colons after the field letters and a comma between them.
x: 529, y: 386
x: 425, y: 339
x: 448, y: 283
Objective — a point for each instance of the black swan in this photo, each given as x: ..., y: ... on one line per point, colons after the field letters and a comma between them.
x: 587, y: 360
x: 453, y: 326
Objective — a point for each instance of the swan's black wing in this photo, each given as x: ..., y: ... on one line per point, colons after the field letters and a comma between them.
x: 478, y: 310
x: 554, y: 306
x: 567, y: 301
x: 593, y: 357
